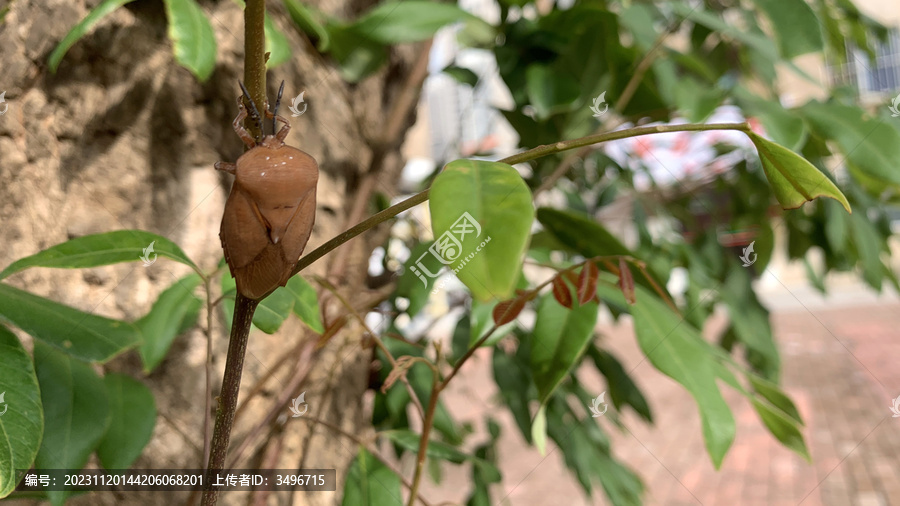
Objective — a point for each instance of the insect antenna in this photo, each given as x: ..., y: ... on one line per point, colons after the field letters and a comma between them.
x: 254, y: 112
x: 275, y: 111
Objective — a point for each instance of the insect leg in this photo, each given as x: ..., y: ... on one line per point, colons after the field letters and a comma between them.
x: 275, y: 110
x: 254, y: 112
x: 227, y: 167
x: 238, y: 125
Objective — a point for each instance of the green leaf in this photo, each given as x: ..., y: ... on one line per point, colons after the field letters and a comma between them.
x: 81, y: 29
x: 560, y: 338
x: 436, y: 449
x: 76, y: 411
x: 695, y: 100
x: 794, y: 180
x: 481, y: 216
x: 192, y: 37
x: 870, y: 145
x: 583, y: 235
x: 586, y: 449
x: 273, y: 310
x: 414, y: 283
x: 817, y: 281
x: 709, y: 19
x: 22, y: 421
x: 783, y: 428
x: 175, y: 309
x: 371, y: 483
x: 513, y: 378
x: 79, y: 334
x: 784, y: 126
x: 409, y: 20
x: 770, y: 392
x: 476, y: 33
x: 868, y: 244
x: 796, y: 27
x: 306, y: 303
x: 482, y: 320
x: 539, y: 430
x: 298, y: 296
x: 103, y: 249
x: 677, y: 350
x: 357, y: 55
x: 462, y: 75
x: 622, y: 389
x: 750, y: 321
x: 132, y: 418
x: 639, y: 19
x: 311, y: 21
x: 550, y: 91
x: 277, y: 45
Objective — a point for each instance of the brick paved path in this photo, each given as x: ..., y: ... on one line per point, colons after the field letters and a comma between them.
x: 842, y: 368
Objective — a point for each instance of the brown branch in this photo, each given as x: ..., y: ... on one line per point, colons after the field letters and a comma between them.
x: 423, y: 441
x: 207, y: 427
x: 255, y: 59
x: 231, y: 384
x: 304, y: 362
x: 255, y: 81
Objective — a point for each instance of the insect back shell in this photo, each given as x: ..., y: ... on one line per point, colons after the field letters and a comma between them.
x: 268, y: 216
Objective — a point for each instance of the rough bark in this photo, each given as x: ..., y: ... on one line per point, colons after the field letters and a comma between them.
x: 123, y: 137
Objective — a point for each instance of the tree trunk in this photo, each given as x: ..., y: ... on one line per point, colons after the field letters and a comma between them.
x: 123, y: 137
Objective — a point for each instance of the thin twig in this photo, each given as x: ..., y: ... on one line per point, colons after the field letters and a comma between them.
x: 412, y: 393
x: 207, y: 414
x: 304, y: 362
x: 471, y: 351
x: 231, y: 384
x: 423, y: 441
x: 257, y: 387
x: 531, y: 154
x: 369, y: 445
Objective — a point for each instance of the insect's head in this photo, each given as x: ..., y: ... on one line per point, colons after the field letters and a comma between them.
x: 257, y: 118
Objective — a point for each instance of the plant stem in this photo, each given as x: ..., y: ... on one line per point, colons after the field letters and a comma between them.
x: 361, y: 227
x: 423, y: 442
x: 207, y: 433
x: 255, y: 81
x: 549, y: 149
x: 531, y: 154
x: 255, y: 59
x: 231, y: 384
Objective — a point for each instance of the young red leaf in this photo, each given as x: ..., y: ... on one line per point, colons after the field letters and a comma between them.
x: 561, y: 292
x: 587, y: 282
x: 626, y: 282
x: 507, y: 310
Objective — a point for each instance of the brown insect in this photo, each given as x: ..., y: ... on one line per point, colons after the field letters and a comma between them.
x: 272, y: 206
